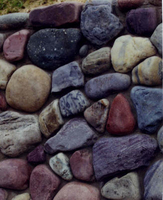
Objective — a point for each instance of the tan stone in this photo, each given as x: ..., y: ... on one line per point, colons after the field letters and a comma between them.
x: 24, y: 196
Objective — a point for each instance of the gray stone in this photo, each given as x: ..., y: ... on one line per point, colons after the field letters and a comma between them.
x: 160, y: 138
x: 84, y: 50
x: 97, y: 2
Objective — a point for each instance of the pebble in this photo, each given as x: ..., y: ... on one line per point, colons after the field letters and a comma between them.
x: 50, y: 119
x: 16, y: 136
x: 121, y: 121
x: 113, y: 155
x: 149, y: 72
x: 104, y: 85
x: 3, y: 194
x: 60, y: 165
x: 14, y: 46
x: 2, y: 39
x: 3, y: 103
x: 69, y: 75
x: 148, y: 103
x: 156, y: 2
x: 125, y: 5
x: 84, y: 51
x: 73, y: 103
x: 43, y: 183
x: 96, y: 114
x: 160, y: 138
x: 24, y: 196
x: 28, y: 88
x: 14, y: 174
x: 78, y: 191
x: 6, y: 70
x: 81, y: 165
x: 128, y: 51
x: 52, y: 48
x: 97, y: 62
x: 71, y: 137
x: 127, y: 187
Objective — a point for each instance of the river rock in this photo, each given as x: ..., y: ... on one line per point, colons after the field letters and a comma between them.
x: 24, y: 196
x: 97, y: 62
x: 14, y: 174
x: 73, y: 135
x: 78, y: 191
x: 16, y: 136
x: 127, y: 187
x: 73, y: 103
x: 160, y: 138
x: 28, y: 88
x: 51, y: 48
x: 60, y: 165
x: 3, y: 103
x: 113, y: 155
x: 2, y: 39
x: 102, y: 86
x: 149, y: 72
x: 125, y: 5
x: 128, y: 51
x: 3, y: 194
x: 155, y: 2
x: 69, y: 75
x: 84, y: 50
x: 148, y: 103
x: 50, y: 118
x: 96, y: 114
x: 43, y: 183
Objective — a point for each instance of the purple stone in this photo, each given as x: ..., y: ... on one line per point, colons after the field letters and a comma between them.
x: 37, y: 155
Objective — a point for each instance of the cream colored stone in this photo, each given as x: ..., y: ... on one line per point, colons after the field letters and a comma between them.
x: 24, y: 196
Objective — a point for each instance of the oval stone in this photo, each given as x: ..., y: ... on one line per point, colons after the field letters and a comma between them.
x: 84, y: 50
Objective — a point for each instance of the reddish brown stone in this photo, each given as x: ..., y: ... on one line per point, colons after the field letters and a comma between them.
x: 125, y: 5
x: 3, y: 103
x: 121, y: 120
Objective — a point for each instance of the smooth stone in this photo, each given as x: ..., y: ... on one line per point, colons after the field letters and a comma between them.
x: 81, y: 165
x: 84, y: 51
x: 52, y: 48
x: 60, y: 165
x: 69, y: 75
x: 24, y: 196
x: 16, y: 136
x: 155, y: 2
x: 43, y: 183
x: 71, y: 137
x: 14, y: 46
x: 6, y: 70
x: 153, y: 182
x: 3, y: 194
x: 78, y: 191
x: 50, y: 119
x: 125, y: 5
x: 73, y: 103
x: 104, y: 85
x: 148, y: 103
x: 127, y: 187
x: 28, y: 88
x: 14, y: 174
x: 3, y: 103
x: 97, y: 62
x: 2, y: 39
x: 128, y: 51
x: 121, y: 120
x: 113, y: 155
x: 160, y: 139
x: 149, y: 72
x: 96, y: 114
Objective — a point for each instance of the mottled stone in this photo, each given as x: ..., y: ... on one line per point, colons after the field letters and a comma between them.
x: 60, y: 165
x: 148, y: 103
x: 160, y: 138
x: 73, y: 135
x: 3, y: 103
x: 127, y: 187
x: 69, y: 75
x: 126, y: 5
x: 96, y: 114
x: 155, y: 2
x: 128, y: 51
x: 73, y: 103
x: 149, y: 72
x: 24, y: 196
x: 97, y: 62
x: 43, y: 183
x: 102, y: 86
x: 50, y: 118
x: 2, y: 39
x: 28, y: 88
x: 3, y: 194
x: 51, y: 48
x: 81, y: 165
x: 113, y: 155
x: 16, y: 136
x: 84, y: 50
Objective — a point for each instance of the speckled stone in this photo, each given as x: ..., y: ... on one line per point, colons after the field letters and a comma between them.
x: 3, y: 194
x: 125, y: 5
x: 160, y: 138
x: 24, y: 196
x: 84, y: 51
x: 3, y: 103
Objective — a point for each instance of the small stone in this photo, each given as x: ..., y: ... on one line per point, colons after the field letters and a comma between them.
x: 160, y: 138
x: 2, y: 39
x: 148, y: 103
x: 128, y: 51
x: 156, y: 2
x: 43, y: 183
x: 3, y: 194
x: 24, y: 196
x: 81, y: 165
x: 73, y: 135
x: 50, y: 119
x: 126, y: 5
x: 3, y: 103
x: 28, y: 88
x: 104, y: 85
x: 69, y: 75
x: 149, y: 72
x: 127, y: 187
x: 84, y: 51
x: 60, y: 165
x: 97, y: 62
x: 96, y: 114
x: 73, y: 103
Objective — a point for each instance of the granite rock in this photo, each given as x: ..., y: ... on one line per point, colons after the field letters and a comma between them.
x: 125, y: 5
x: 3, y: 194
x: 24, y: 196
x: 84, y: 51
x: 160, y: 138
x: 3, y: 103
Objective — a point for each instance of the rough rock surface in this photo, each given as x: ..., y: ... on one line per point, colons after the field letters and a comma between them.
x: 160, y: 138
x: 3, y: 194
x: 126, y: 5
x: 24, y: 196
x: 3, y: 103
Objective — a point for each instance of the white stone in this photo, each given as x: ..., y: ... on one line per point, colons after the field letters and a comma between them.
x: 24, y: 196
